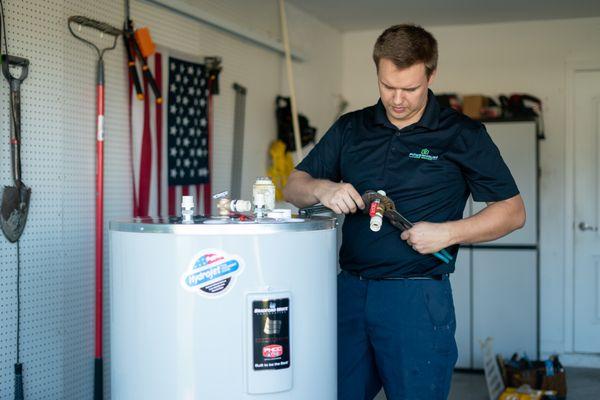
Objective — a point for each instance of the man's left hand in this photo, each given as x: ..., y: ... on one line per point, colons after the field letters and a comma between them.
x: 427, y: 237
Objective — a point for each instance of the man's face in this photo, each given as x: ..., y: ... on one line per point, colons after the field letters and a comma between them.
x: 403, y: 91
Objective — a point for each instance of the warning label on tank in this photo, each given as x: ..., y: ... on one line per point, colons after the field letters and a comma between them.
x: 271, y: 333
x: 212, y: 273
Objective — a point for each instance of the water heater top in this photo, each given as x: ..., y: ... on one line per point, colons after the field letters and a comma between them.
x: 220, y: 226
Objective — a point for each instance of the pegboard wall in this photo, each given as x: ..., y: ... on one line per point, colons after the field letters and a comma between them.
x: 58, y: 157
x: 34, y: 32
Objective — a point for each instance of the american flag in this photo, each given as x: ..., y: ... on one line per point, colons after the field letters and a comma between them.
x: 170, y: 143
x: 187, y: 123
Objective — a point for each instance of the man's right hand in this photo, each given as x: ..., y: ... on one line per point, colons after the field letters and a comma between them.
x: 302, y: 190
x: 342, y: 198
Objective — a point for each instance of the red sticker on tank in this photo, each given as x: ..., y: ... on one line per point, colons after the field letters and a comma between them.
x: 272, y: 351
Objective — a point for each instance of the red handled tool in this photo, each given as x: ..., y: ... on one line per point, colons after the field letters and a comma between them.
x: 378, y: 205
x: 114, y: 33
x: 397, y: 219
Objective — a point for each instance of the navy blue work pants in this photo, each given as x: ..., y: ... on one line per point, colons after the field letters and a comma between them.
x: 398, y: 334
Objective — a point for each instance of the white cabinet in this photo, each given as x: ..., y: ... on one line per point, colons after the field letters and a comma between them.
x: 504, y: 301
x: 517, y: 142
x: 461, y: 288
x: 495, y: 284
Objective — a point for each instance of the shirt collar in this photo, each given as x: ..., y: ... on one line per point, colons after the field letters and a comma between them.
x: 430, y: 118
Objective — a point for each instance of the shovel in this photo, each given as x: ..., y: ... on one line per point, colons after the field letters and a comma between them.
x: 15, y: 199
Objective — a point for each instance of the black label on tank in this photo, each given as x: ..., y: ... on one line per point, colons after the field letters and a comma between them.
x: 271, y: 333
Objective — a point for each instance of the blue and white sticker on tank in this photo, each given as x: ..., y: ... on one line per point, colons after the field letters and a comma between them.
x: 212, y: 273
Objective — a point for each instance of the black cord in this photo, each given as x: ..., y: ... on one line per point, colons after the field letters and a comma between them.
x: 3, y: 29
x: 18, y: 300
x: 3, y: 32
x: 127, y: 11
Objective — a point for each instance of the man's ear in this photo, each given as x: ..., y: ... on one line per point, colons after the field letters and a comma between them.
x: 432, y: 77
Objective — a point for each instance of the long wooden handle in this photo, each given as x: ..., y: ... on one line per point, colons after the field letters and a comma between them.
x: 290, y: 78
x: 15, y: 133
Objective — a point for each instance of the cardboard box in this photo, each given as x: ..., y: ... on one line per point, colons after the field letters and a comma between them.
x: 472, y: 105
x: 536, y: 374
x: 524, y: 393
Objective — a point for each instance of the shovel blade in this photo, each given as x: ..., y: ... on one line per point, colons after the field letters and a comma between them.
x: 13, y: 211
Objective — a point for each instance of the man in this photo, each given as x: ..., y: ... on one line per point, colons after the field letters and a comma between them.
x: 395, y: 311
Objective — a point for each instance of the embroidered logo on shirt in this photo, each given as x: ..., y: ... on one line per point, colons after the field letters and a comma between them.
x: 424, y: 155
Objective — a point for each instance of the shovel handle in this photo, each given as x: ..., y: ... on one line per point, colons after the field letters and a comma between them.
x: 15, y: 134
x: 9, y: 61
x: 14, y: 82
x: 19, y: 395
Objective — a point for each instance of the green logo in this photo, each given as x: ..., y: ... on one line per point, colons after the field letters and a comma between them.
x: 424, y: 155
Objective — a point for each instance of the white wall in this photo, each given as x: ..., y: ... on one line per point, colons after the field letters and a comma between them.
x: 59, y: 159
x: 497, y: 59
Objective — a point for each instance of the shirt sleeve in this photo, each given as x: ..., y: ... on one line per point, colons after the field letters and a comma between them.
x: 486, y: 173
x: 323, y: 161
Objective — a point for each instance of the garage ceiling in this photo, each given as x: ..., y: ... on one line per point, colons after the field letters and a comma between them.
x: 354, y: 15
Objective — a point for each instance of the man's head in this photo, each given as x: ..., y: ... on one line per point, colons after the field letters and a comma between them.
x: 406, y: 61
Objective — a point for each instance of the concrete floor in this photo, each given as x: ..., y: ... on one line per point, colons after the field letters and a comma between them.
x: 582, y: 384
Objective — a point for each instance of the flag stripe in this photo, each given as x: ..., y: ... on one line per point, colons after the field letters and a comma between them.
x: 159, y: 132
x: 146, y: 156
x: 152, y: 203
x: 137, y: 129
x: 172, y: 195
x: 198, y: 198
x: 207, y: 185
x: 136, y: 211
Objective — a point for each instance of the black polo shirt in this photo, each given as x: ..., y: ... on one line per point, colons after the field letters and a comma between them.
x: 428, y: 169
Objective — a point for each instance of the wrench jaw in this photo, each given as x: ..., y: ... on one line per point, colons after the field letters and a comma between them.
x: 394, y: 217
x: 398, y: 220
x: 370, y: 195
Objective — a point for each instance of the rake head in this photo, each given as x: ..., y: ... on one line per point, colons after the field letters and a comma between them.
x: 99, y: 26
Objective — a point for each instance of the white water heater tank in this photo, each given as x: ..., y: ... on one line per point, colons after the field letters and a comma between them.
x: 223, y: 310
